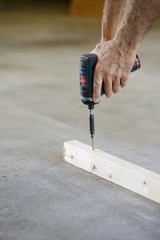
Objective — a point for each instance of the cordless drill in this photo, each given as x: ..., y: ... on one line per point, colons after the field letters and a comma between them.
x: 87, y: 66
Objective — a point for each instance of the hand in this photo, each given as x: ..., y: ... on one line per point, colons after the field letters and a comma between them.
x: 113, y: 67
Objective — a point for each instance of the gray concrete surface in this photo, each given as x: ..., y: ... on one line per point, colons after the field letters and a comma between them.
x: 42, y: 197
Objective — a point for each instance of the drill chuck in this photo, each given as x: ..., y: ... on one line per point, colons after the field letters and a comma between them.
x: 91, y: 120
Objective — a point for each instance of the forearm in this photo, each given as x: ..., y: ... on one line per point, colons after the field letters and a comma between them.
x: 111, y: 18
x: 137, y: 19
x: 125, y: 22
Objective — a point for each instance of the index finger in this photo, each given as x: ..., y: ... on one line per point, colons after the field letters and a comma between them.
x: 97, y: 85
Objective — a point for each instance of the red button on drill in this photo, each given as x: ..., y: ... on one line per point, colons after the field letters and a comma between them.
x: 83, y: 81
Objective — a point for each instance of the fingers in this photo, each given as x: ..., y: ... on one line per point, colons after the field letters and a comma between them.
x: 123, y: 82
x: 108, y: 88
x: 116, y: 85
x: 97, y: 85
x: 111, y: 84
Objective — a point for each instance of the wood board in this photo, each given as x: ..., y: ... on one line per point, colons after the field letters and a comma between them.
x: 114, y: 169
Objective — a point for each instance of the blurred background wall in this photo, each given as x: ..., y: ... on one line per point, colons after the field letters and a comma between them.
x: 75, y: 7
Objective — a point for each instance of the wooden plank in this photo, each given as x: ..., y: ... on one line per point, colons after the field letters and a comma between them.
x: 114, y: 169
x: 86, y: 7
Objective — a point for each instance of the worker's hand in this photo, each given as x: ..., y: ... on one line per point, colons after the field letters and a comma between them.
x: 113, y: 67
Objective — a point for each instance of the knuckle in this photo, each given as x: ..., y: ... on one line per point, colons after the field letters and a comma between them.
x: 108, y: 90
x: 98, y: 46
x: 96, y: 84
x: 109, y: 73
x: 117, y: 76
x: 125, y: 77
x: 116, y: 88
x: 98, y: 67
x: 116, y: 84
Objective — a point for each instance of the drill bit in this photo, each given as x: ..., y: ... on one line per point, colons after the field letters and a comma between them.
x: 91, y: 123
x: 92, y: 143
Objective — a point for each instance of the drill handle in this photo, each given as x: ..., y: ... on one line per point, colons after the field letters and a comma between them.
x: 87, y: 67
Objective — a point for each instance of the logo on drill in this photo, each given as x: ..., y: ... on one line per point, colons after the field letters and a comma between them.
x: 83, y: 81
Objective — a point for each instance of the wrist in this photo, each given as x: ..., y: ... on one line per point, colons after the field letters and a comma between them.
x: 126, y: 43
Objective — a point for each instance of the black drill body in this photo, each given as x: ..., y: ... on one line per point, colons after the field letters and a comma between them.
x: 87, y: 66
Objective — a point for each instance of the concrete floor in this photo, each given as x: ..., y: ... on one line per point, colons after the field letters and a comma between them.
x: 42, y: 197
